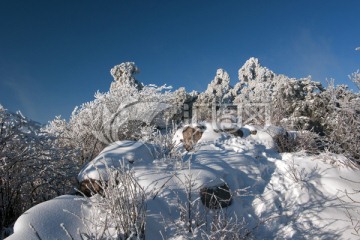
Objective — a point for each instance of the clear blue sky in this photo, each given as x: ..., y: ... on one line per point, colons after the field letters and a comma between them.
x: 56, y: 54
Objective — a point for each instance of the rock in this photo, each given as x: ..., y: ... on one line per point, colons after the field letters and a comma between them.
x: 256, y: 83
x: 220, y: 85
x: 136, y: 152
x: 216, y: 197
x: 123, y: 75
x: 90, y: 187
x: 237, y: 132
x: 252, y: 70
x: 191, y: 135
x: 218, y: 89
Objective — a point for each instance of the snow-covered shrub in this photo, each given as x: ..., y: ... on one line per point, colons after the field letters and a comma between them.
x: 291, y: 99
x: 294, y: 173
x: 167, y: 149
x: 33, y: 168
x: 355, y: 78
x: 226, y: 226
x: 121, y: 210
x: 285, y: 143
x: 352, y: 211
x: 190, y: 209
x: 308, y: 141
x: 331, y: 116
x: 336, y: 111
x: 197, y: 219
x: 343, y: 134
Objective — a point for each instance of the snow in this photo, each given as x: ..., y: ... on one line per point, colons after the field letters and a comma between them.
x: 46, y: 220
x: 116, y: 154
x: 279, y: 196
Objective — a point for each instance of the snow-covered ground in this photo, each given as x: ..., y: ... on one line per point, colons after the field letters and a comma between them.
x: 274, y: 196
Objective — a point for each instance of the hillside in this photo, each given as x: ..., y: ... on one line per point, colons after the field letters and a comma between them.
x: 274, y: 196
x: 270, y: 157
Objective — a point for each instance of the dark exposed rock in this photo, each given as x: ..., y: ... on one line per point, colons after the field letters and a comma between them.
x: 216, y: 197
x: 237, y: 132
x: 90, y: 187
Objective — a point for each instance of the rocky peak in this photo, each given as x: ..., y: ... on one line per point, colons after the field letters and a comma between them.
x: 123, y: 74
x: 220, y: 85
x: 252, y: 70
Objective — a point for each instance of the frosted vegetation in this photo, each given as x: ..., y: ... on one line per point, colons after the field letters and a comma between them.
x: 293, y: 172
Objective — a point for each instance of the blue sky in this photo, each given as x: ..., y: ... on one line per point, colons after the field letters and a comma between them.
x: 56, y: 54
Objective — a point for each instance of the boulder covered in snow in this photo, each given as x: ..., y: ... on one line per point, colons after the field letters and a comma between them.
x: 59, y: 218
x: 259, y: 135
x: 117, y: 155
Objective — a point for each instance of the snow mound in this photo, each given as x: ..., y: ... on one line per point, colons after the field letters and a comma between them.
x: 115, y: 155
x: 56, y: 218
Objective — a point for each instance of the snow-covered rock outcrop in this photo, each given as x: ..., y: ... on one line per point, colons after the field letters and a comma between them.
x: 123, y: 74
x: 220, y: 85
x: 256, y: 82
x: 218, y: 89
x: 116, y: 155
x: 253, y: 71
